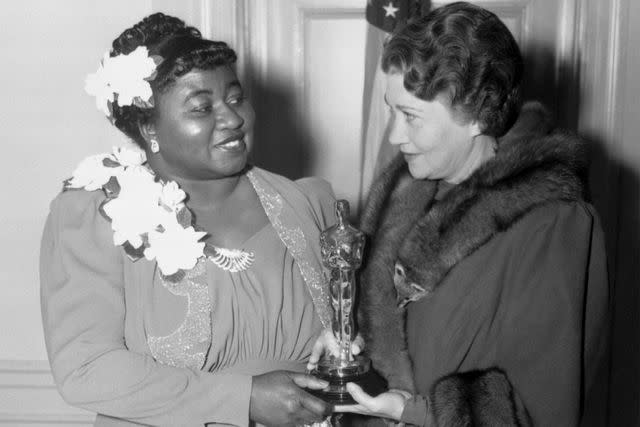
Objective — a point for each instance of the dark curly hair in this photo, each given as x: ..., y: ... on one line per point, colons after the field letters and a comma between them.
x: 466, y: 53
x: 181, y: 48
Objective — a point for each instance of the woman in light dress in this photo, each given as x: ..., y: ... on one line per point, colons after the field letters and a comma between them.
x: 181, y: 286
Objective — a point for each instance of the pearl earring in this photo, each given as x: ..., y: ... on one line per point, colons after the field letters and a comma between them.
x: 155, y: 147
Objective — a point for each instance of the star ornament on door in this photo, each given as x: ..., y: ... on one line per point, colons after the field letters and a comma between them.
x: 390, y: 14
x: 390, y: 10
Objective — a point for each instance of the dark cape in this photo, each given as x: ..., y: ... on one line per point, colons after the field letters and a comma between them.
x: 490, y: 299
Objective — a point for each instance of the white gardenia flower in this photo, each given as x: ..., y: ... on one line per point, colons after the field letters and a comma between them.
x: 129, y: 156
x: 126, y: 232
x: 136, y: 210
x: 172, y: 196
x: 131, y: 218
x: 98, y: 85
x: 91, y: 174
x: 175, y: 248
x: 139, y: 182
x: 123, y: 75
x: 127, y: 74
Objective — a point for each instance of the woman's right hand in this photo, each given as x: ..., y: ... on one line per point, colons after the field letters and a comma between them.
x: 278, y: 399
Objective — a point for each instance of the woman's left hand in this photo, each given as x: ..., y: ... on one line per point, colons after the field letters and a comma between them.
x: 326, y: 343
x: 386, y: 405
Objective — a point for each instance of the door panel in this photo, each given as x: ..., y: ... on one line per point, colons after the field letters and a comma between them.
x: 306, y: 70
x: 333, y: 99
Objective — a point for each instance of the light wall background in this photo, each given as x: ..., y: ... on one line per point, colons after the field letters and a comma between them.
x: 47, y: 125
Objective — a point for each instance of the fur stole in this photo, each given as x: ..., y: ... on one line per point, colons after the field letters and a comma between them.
x: 416, y: 240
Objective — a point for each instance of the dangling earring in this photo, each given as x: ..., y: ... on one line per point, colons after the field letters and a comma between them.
x: 155, y: 147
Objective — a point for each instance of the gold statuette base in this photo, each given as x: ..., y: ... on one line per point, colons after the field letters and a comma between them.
x: 338, y: 374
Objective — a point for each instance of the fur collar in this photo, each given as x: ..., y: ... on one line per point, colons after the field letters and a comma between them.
x: 418, y: 239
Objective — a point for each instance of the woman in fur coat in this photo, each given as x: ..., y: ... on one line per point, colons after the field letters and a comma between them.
x: 484, y: 296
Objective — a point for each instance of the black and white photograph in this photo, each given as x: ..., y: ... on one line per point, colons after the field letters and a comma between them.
x: 320, y: 213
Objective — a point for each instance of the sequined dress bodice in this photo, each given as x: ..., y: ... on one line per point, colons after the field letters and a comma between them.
x: 187, y: 346
x: 225, y: 318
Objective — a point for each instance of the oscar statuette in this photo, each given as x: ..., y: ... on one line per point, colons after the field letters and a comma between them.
x: 341, y: 247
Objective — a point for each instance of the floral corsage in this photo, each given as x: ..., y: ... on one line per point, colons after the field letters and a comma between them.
x: 149, y: 217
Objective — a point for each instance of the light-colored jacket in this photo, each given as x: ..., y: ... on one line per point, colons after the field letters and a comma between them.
x: 94, y: 302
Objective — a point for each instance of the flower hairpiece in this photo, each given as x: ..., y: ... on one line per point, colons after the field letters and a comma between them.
x: 125, y: 79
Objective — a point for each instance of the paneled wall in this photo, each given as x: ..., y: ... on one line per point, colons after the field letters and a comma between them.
x: 617, y: 171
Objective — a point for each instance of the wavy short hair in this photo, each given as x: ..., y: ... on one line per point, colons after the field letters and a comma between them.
x: 181, y: 48
x: 466, y: 53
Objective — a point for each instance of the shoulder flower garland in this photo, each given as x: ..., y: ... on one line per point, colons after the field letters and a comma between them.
x: 149, y: 217
x: 125, y: 79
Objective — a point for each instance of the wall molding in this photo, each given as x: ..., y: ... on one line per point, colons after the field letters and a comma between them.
x: 600, y: 28
x: 10, y: 419
x: 28, y: 396
x: 24, y: 365
x: 262, y: 40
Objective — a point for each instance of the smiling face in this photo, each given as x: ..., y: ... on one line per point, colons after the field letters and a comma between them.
x: 435, y: 144
x: 204, y: 126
